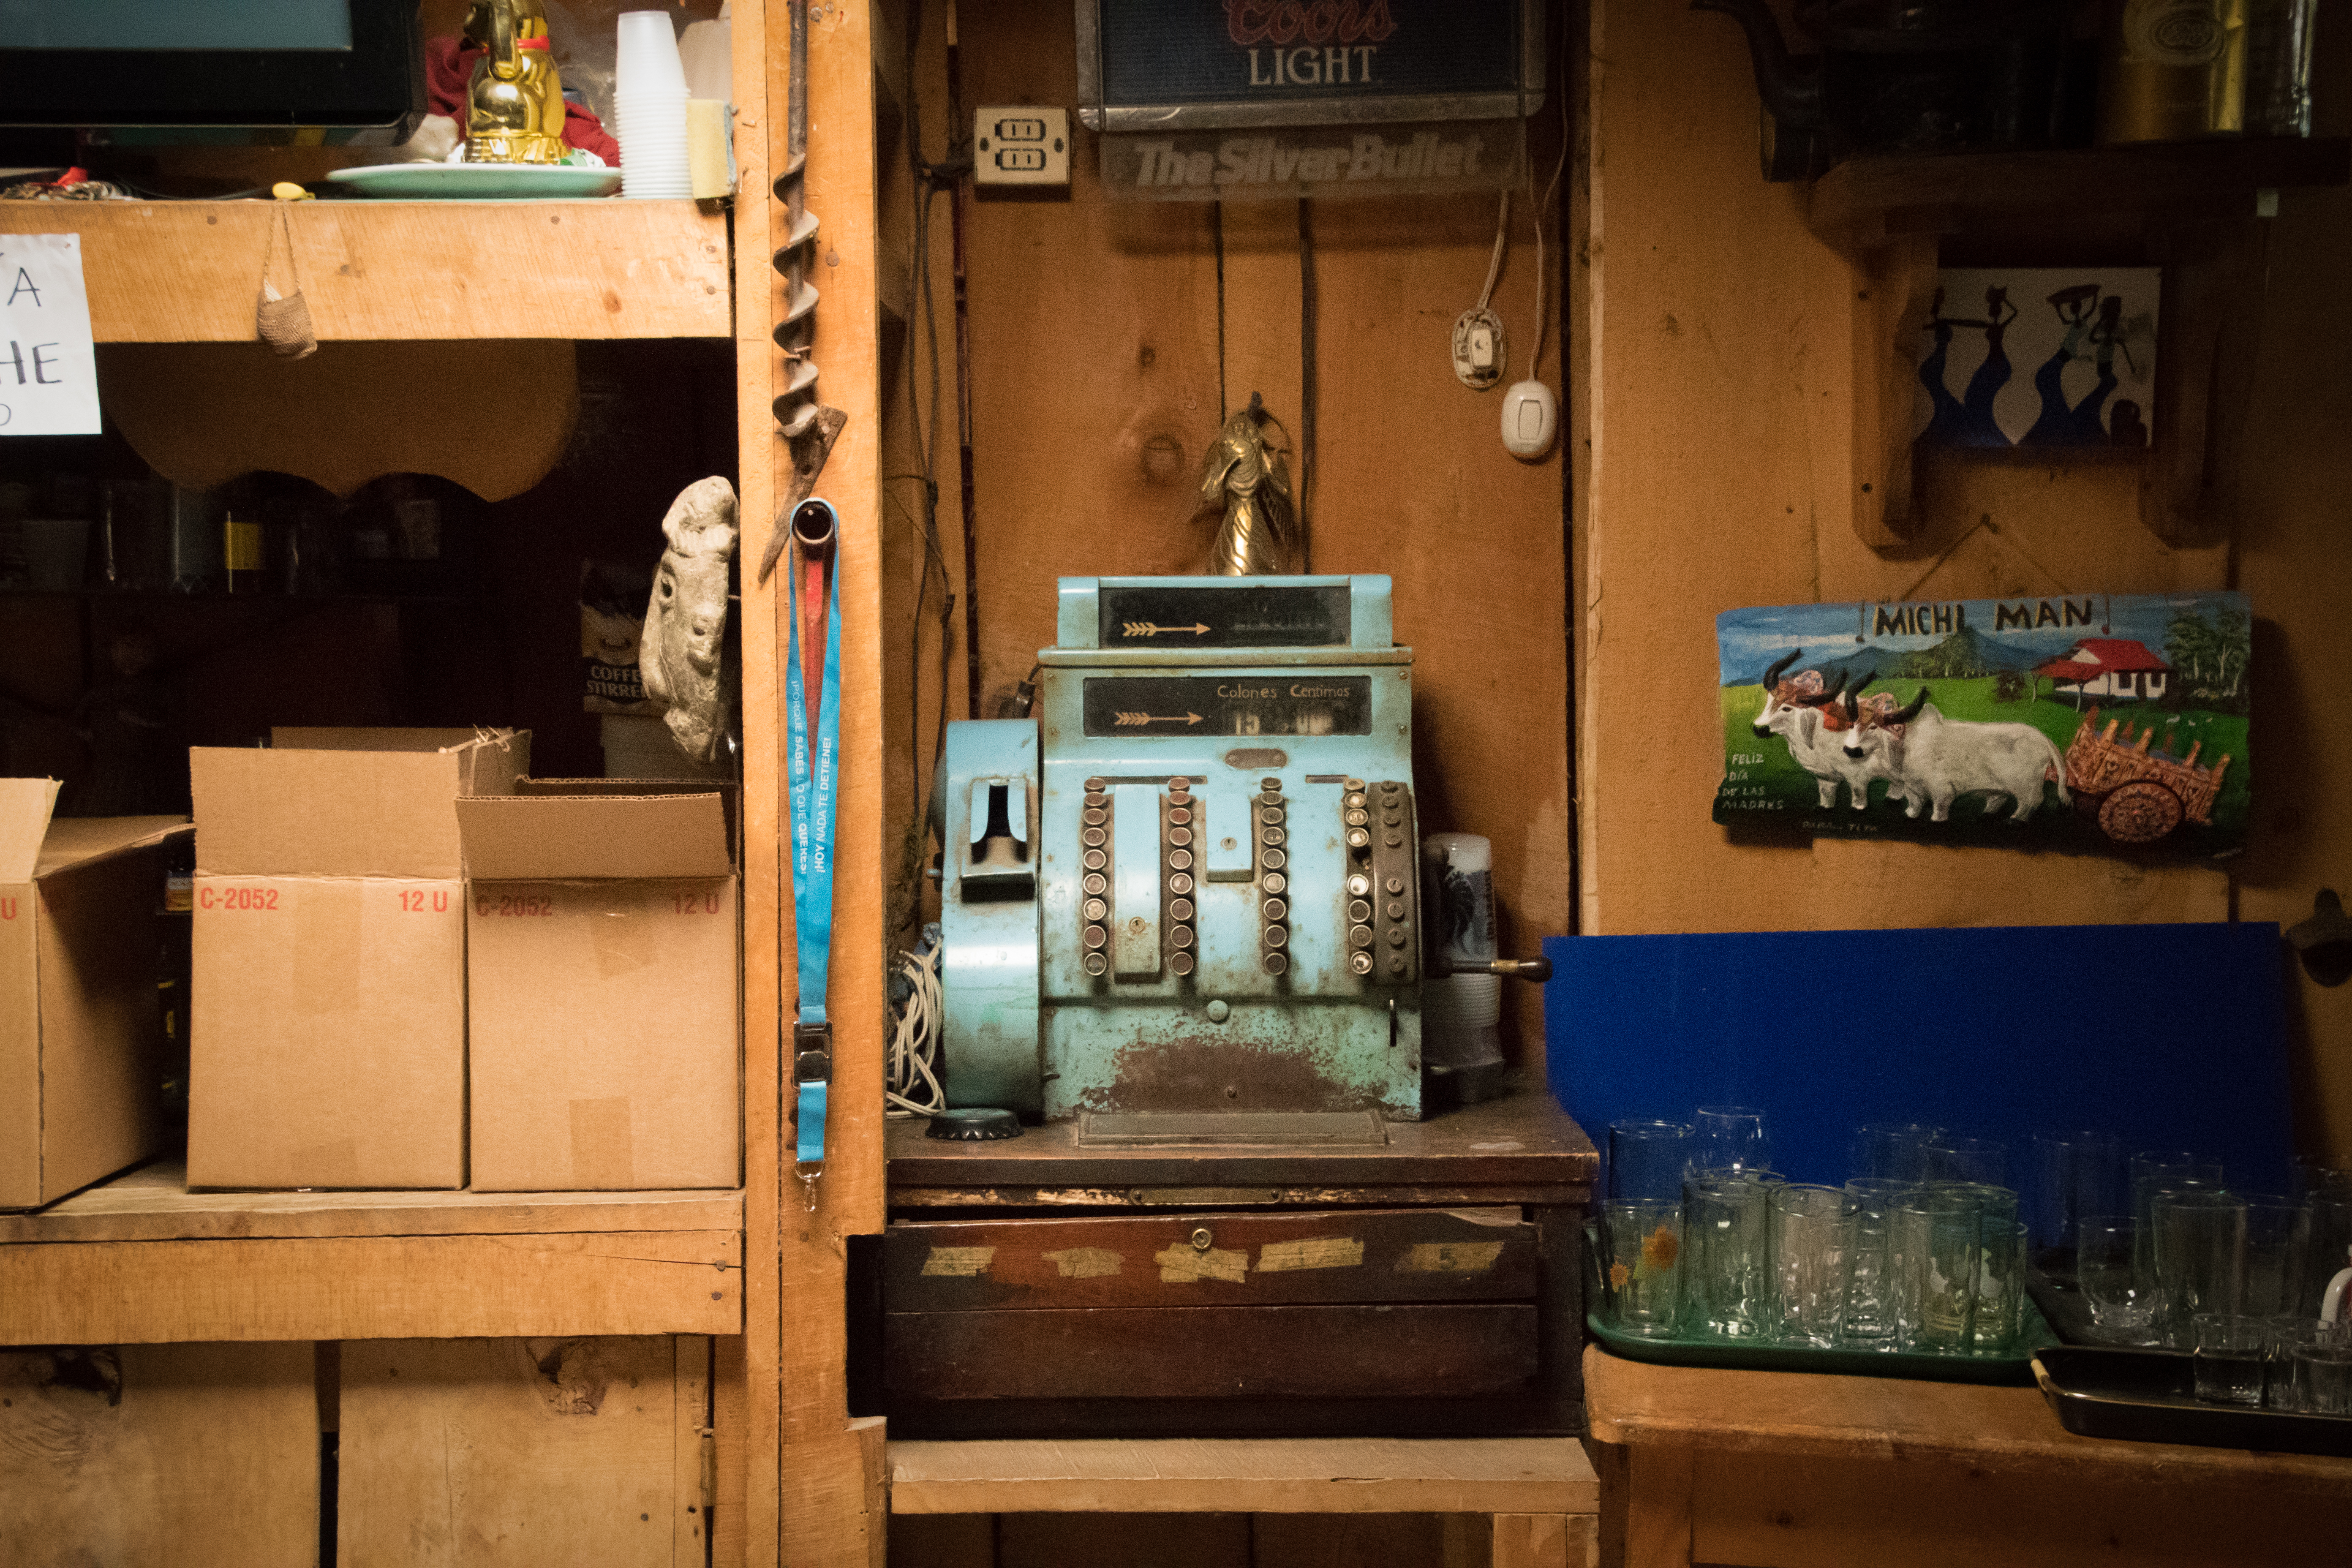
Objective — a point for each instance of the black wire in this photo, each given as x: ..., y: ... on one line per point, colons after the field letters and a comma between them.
x: 1307, y: 389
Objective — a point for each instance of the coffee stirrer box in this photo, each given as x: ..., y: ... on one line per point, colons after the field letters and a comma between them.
x: 80, y: 1022
x: 603, y: 945
x: 328, y: 1028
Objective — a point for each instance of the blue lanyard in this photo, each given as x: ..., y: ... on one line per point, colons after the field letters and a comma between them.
x: 812, y: 777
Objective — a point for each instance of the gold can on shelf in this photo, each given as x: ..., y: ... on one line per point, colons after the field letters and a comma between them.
x: 2172, y: 71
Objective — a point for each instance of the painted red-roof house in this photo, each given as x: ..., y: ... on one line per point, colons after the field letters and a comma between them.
x: 2113, y: 669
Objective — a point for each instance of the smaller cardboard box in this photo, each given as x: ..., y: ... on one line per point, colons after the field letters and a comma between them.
x: 327, y: 1039
x: 605, y: 940
x: 81, y: 1035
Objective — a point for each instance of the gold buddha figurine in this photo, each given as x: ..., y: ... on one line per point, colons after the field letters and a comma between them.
x: 514, y: 107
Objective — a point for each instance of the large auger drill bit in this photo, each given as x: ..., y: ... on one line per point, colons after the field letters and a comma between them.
x: 809, y: 427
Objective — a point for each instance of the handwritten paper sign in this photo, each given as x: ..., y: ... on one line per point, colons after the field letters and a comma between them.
x: 48, y: 374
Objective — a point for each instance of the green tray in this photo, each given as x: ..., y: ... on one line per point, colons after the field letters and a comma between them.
x: 2014, y: 1369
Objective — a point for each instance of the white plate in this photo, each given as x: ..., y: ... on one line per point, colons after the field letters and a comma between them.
x: 478, y: 182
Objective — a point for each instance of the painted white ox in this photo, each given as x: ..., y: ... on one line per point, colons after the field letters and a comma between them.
x: 1938, y: 759
x: 1808, y: 718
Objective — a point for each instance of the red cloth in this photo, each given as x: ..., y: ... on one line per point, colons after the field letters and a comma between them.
x: 449, y: 71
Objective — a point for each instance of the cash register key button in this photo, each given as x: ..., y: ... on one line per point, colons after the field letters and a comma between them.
x: 1399, y: 936
x: 1277, y: 964
x: 1360, y: 885
x: 1391, y: 787
x: 1275, y: 882
x: 1358, y: 837
x: 1179, y: 884
x: 1181, y: 910
x: 1269, y: 786
x: 1179, y: 859
x: 1393, y: 839
x: 1362, y: 962
x: 1180, y: 836
x: 1096, y: 937
x: 1180, y: 936
x: 1097, y: 909
x: 1275, y: 908
x: 1359, y: 936
x: 1179, y: 784
x: 1391, y: 819
x: 1356, y: 802
x: 1095, y: 884
x: 1395, y: 910
x: 1093, y: 838
x: 1396, y: 963
x: 1093, y: 786
x: 1180, y: 815
x: 1357, y: 818
x: 1356, y: 785
x: 1394, y: 884
x: 1095, y: 816
x: 1274, y: 859
x: 1277, y: 936
x: 1094, y: 859
x: 1359, y: 910
x: 1096, y: 963
x: 1180, y: 965
x: 1270, y: 815
x: 1271, y: 836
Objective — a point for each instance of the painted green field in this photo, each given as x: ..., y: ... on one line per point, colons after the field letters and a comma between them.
x: 1761, y: 772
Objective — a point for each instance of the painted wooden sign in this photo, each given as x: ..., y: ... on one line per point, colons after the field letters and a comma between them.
x: 2095, y: 722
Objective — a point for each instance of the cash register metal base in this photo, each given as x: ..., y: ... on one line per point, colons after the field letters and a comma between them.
x: 1420, y: 1280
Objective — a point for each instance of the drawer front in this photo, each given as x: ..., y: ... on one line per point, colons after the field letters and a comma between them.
x: 1213, y: 1352
x: 1216, y: 1259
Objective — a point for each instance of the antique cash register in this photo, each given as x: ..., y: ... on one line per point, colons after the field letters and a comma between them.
x: 1183, y: 944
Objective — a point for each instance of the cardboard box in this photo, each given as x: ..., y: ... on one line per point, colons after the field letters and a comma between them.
x: 81, y: 1023
x: 603, y: 934
x: 328, y: 1046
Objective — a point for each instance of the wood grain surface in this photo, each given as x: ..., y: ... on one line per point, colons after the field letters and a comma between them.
x: 1196, y: 1260
x: 492, y: 1452
x: 1437, y: 1351
x: 1177, y: 1475
x: 154, y: 1204
x: 201, y: 1455
x: 357, y: 1287
x: 172, y: 272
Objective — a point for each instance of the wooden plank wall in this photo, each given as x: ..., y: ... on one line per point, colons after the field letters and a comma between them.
x: 1096, y: 371
x: 1719, y: 473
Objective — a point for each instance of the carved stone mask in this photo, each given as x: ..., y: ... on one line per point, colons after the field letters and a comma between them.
x: 685, y: 619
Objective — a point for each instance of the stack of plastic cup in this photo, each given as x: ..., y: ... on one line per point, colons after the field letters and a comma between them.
x: 649, y: 107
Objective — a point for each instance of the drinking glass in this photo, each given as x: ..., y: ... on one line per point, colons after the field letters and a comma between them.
x: 2073, y: 1174
x: 1870, y: 1305
x: 1958, y: 1224
x: 2148, y: 1189
x: 2323, y: 1376
x: 1728, y: 1138
x: 2107, y: 1269
x: 2328, y: 1246
x: 1724, y: 1241
x: 1893, y: 1151
x: 2227, y: 1357
x: 1641, y: 1257
x: 2280, y: 1336
x: 1646, y: 1159
x: 2278, y: 1233
x: 1811, y: 1231
x: 2200, y: 1260
x: 1980, y: 1160
x: 2001, y: 1288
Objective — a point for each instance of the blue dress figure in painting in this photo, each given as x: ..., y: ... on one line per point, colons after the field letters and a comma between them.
x: 1977, y: 426
x: 2056, y: 426
x: 1945, y: 426
x: 2084, y: 420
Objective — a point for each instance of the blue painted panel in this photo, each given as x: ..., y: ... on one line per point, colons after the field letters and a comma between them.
x: 2167, y: 1035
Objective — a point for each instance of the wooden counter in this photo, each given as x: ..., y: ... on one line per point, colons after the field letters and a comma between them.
x: 1792, y: 1470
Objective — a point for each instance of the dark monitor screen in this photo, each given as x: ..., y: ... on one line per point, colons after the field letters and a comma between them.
x: 343, y: 70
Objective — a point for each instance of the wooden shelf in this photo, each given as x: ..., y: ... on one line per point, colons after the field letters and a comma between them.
x: 2189, y: 207
x: 1869, y: 201
x: 189, y: 271
x: 1245, y: 1474
x: 141, y: 1259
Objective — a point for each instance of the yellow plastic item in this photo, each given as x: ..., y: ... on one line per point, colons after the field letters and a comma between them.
x: 287, y: 191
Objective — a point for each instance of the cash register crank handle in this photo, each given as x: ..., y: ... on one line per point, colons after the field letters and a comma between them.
x: 1509, y: 968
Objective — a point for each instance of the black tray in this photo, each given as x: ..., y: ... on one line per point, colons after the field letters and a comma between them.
x: 2150, y: 1397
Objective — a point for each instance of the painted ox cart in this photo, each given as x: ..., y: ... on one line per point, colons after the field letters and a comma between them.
x: 2136, y: 795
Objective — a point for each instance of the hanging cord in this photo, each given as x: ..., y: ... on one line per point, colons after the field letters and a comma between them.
x: 1544, y: 216
x: 1502, y: 242
x: 1306, y: 384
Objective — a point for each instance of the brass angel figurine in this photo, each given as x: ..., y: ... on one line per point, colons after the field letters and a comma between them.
x: 1257, y: 538
x: 514, y: 110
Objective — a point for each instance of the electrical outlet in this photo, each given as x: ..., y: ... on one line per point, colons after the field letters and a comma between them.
x: 1020, y: 144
